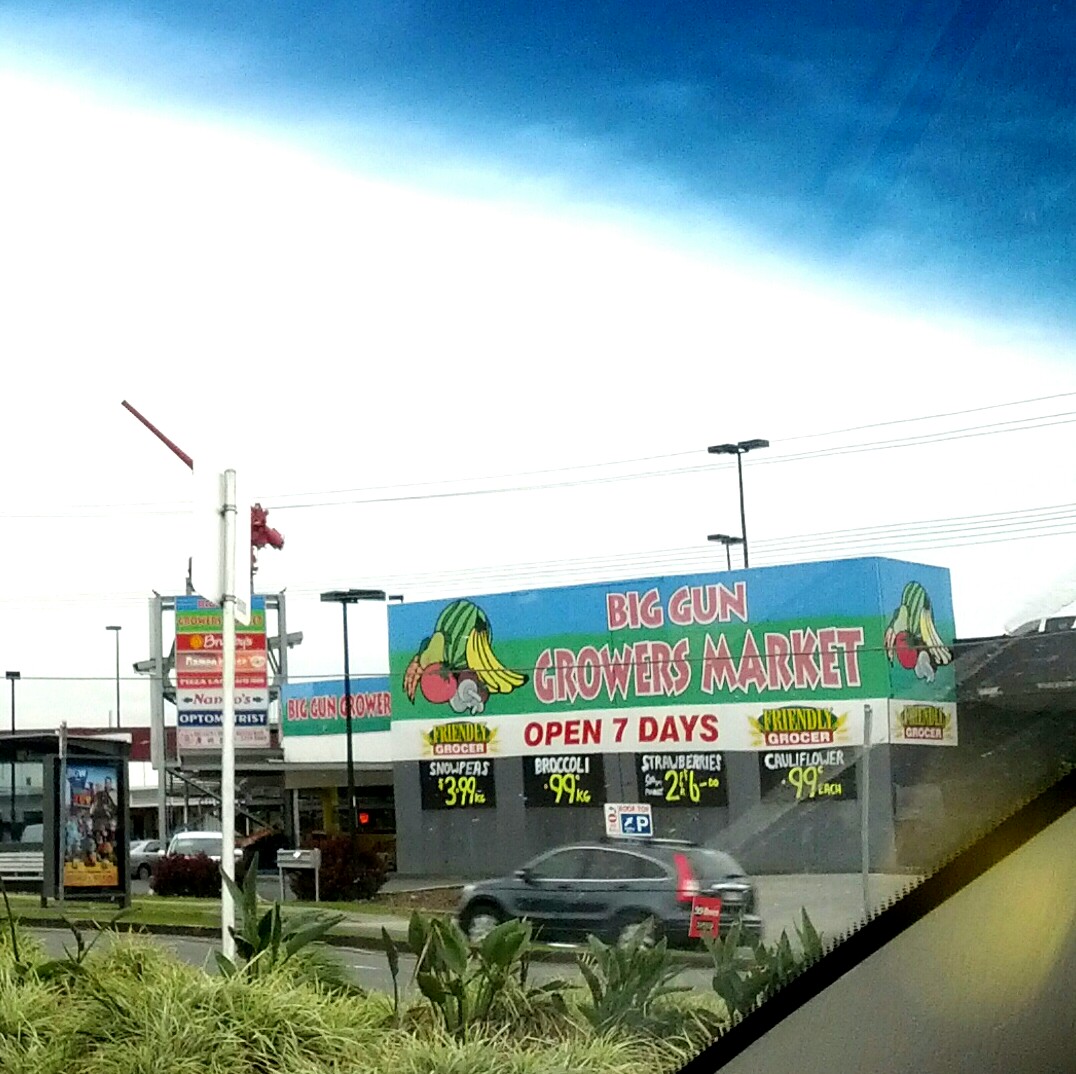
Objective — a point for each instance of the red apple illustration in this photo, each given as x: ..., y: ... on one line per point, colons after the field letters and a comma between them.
x: 438, y: 685
x: 906, y: 652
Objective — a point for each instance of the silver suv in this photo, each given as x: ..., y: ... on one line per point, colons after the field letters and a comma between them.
x: 609, y: 888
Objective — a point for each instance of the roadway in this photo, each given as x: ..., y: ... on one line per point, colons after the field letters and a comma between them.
x: 366, y: 968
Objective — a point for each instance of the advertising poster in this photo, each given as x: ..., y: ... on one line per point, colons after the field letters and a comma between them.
x: 92, y: 840
x: 773, y: 658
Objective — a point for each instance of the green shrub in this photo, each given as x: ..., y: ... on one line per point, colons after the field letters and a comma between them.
x: 264, y: 941
x: 469, y: 986
x: 626, y: 980
x: 744, y: 983
x: 345, y: 876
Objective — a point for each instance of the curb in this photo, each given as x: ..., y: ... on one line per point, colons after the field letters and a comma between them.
x: 358, y: 941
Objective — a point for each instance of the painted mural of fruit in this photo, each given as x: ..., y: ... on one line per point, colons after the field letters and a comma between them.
x: 461, y: 650
x: 912, y: 639
x: 437, y: 684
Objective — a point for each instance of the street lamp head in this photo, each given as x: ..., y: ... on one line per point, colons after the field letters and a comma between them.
x: 737, y: 449
x: 725, y: 539
x: 352, y: 596
x: 13, y: 675
x: 113, y: 628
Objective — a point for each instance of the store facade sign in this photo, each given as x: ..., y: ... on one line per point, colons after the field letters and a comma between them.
x: 922, y: 724
x: 320, y: 708
x: 781, y: 657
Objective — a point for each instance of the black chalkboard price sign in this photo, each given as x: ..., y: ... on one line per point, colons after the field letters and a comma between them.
x: 827, y: 775
x: 458, y: 784
x: 564, y: 780
x: 683, y: 780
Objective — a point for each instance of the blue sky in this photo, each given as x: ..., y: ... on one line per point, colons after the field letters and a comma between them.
x: 923, y: 145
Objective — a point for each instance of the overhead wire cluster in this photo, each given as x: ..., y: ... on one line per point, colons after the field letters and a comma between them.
x: 1049, y: 520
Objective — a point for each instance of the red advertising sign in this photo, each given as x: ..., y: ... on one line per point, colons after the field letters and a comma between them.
x: 705, y: 917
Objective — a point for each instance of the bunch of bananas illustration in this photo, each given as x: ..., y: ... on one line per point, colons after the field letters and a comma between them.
x: 912, y: 638
x: 456, y: 663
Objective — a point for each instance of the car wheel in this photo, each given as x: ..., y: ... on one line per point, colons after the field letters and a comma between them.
x: 479, y: 921
x: 636, y: 928
x: 143, y: 872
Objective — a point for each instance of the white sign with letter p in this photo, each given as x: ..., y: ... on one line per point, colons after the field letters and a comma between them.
x: 628, y: 819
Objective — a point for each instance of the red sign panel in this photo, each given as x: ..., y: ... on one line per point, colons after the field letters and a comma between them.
x: 705, y: 917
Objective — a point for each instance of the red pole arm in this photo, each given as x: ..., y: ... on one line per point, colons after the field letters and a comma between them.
x: 160, y: 436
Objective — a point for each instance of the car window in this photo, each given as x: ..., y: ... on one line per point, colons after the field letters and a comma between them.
x: 713, y: 864
x: 151, y: 848
x: 562, y: 865
x: 623, y: 865
x: 191, y: 847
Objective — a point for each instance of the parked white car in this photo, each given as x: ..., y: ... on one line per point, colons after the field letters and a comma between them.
x: 191, y: 844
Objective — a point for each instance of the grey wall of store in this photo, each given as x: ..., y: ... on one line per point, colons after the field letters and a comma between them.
x: 972, y: 988
x: 765, y: 837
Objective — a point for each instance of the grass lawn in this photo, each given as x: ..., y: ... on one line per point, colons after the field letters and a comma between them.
x: 155, y: 910
x: 145, y: 910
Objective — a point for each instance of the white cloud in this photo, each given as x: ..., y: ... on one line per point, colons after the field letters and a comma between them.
x: 321, y: 330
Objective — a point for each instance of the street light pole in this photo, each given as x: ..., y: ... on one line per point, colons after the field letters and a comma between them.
x: 116, y: 630
x: 728, y: 542
x: 739, y: 450
x: 12, y: 676
x: 344, y: 597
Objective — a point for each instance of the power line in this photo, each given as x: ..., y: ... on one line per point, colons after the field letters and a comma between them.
x: 1042, y: 521
x: 108, y: 511
x: 924, y: 440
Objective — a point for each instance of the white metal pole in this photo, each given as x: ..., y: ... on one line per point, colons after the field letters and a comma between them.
x: 865, y: 815
x: 158, y: 733
x: 227, y: 753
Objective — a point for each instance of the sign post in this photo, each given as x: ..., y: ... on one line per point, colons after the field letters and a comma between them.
x: 214, y: 574
x: 227, y: 753
x: 865, y: 815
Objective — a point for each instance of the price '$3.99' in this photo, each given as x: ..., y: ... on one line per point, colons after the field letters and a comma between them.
x: 461, y: 790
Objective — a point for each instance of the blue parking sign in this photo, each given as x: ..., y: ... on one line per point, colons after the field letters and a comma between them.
x: 634, y: 824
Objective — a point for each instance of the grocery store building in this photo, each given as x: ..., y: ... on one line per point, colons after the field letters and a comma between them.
x: 747, y: 707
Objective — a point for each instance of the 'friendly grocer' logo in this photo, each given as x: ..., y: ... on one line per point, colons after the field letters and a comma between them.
x: 924, y: 722
x: 797, y: 725
x: 459, y: 738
